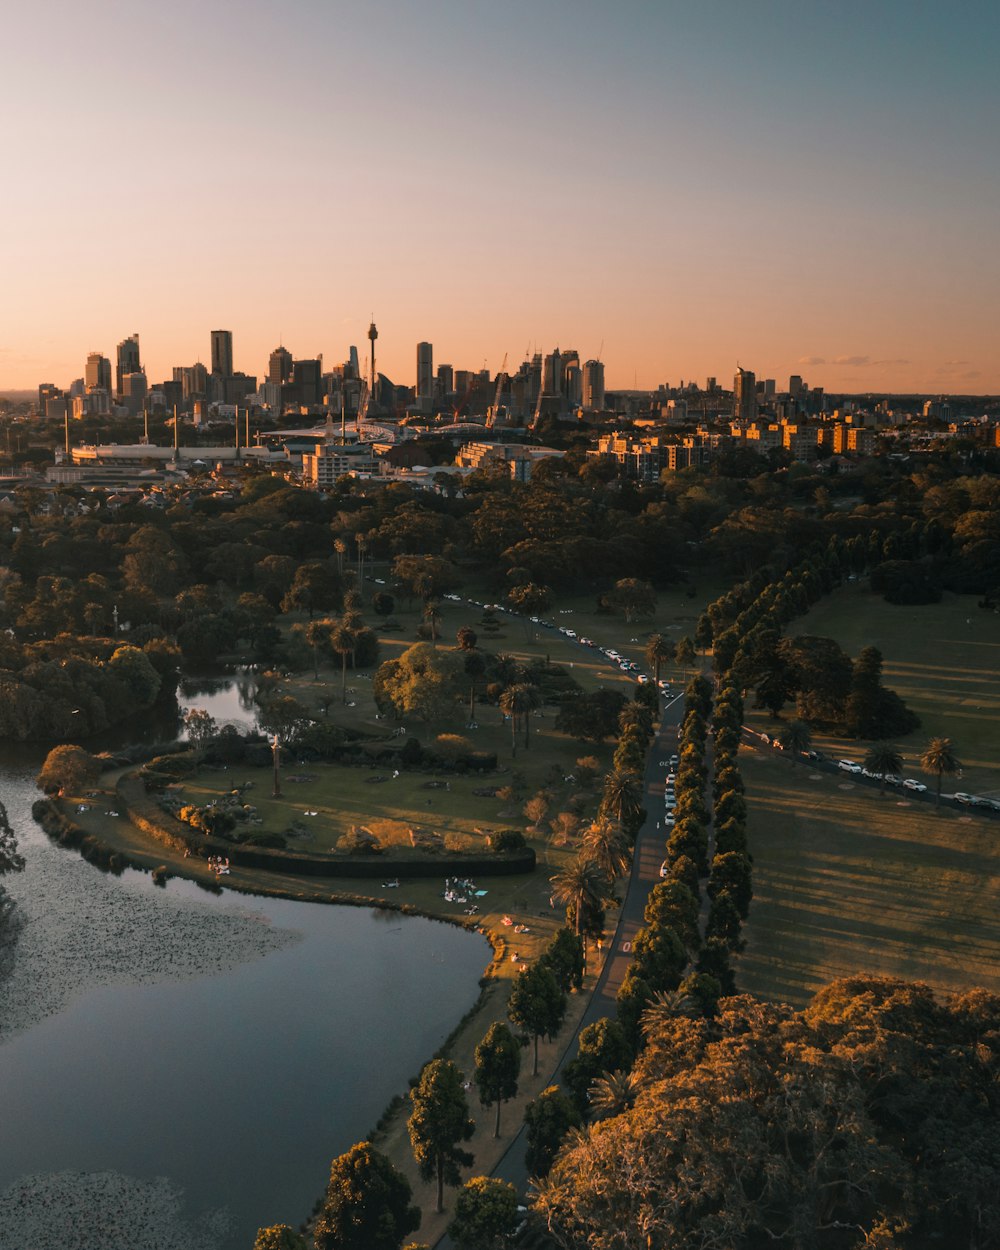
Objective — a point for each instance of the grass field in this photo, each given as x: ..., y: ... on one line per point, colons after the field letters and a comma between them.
x: 846, y: 880
x: 943, y: 659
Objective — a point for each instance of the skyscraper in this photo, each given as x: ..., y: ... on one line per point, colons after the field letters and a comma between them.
x: 279, y: 368
x: 97, y: 375
x: 425, y: 371
x: 593, y: 386
x: 744, y: 395
x: 128, y: 362
x: 222, y: 353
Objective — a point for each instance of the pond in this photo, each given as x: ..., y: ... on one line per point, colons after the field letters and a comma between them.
x: 176, y: 1068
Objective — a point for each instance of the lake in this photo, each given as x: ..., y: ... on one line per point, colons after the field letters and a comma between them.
x: 177, y: 1068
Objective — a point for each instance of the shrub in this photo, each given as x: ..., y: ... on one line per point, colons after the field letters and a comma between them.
x: 506, y: 840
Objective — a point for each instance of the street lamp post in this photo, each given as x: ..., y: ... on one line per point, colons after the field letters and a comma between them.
x: 276, y: 755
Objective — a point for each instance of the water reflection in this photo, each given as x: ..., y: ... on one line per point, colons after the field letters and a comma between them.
x: 236, y: 1072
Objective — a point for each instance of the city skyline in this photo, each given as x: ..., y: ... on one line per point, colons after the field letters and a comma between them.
x: 799, y: 189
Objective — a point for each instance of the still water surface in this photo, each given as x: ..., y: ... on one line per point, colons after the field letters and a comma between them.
x: 238, y: 1085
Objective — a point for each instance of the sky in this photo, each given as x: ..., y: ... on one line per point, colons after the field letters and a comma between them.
x: 675, y: 186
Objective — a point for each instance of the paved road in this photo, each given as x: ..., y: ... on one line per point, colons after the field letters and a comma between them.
x: 650, y: 848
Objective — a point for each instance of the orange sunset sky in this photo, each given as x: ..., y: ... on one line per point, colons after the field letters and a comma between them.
x: 798, y: 187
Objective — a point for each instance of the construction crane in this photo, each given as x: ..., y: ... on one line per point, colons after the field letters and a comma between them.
x: 494, y: 412
x: 538, y: 407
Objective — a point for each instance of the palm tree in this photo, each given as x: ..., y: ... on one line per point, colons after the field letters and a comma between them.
x: 884, y: 760
x: 667, y: 1005
x: 517, y: 701
x: 937, y: 758
x: 340, y: 547
x: 581, y: 886
x: 606, y: 845
x: 362, y: 544
x: 510, y: 705
x: 796, y: 737
x: 432, y: 617
x: 531, y: 699
x: 317, y: 633
x: 342, y: 641
x: 622, y: 796
x: 475, y: 667
x: 659, y: 650
x: 614, y: 1093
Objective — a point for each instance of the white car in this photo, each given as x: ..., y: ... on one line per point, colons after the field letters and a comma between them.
x: 665, y: 868
x: 910, y: 783
x: 961, y: 797
x: 668, y: 820
x: 848, y: 766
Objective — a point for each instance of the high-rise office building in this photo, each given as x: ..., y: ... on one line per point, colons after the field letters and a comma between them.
x: 128, y: 362
x: 593, y: 386
x: 134, y: 391
x: 307, y: 376
x: 446, y: 379
x: 425, y: 371
x: 279, y: 367
x: 222, y: 353
x: 795, y: 385
x: 552, y: 373
x: 97, y: 374
x: 744, y: 395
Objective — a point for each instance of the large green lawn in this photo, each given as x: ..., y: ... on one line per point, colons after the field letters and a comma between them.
x: 846, y: 880
x: 943, y: 659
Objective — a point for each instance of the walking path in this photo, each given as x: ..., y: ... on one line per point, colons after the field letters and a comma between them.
x: 650, y: 848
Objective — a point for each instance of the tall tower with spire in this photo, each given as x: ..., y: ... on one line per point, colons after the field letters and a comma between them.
x: 372, y: 336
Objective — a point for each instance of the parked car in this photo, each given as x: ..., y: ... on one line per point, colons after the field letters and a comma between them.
x: 961, y: 797
x: 665, y: 868
x: 911, y: 783
x: 848, y: 766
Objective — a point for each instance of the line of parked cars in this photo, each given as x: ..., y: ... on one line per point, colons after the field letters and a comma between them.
x: 916, y: 786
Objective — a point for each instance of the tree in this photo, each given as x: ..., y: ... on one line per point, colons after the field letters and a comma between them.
x: 498, y: 1065
x: 537, y: 1005
x: 937, y: 758
x: 423, y: 682
x: 530, y: 599
x: 731, y: 873
x: 590, y: 717
x: 68, y: 768
x: 474, y: 664
x: 603, y: 1048
x: 580, y: 887
x: 279, y: 1237
x: 517, y: 702
x: 134, y: 670
x: 547, y: 1120
x: 613, y: 1093
x: 605, y: 844
x: 342, y: 642
x: 885, y: 761
x: 368, y: 1204
x: 659, y: 650
x: 826, y: 1128
x: 796, y: 738
x: 622, y: 798
x: 440, y: 1120
x: 564, y: 957
x: 685, y: 654
x: 633, y: 597
x: 485, y: 1214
